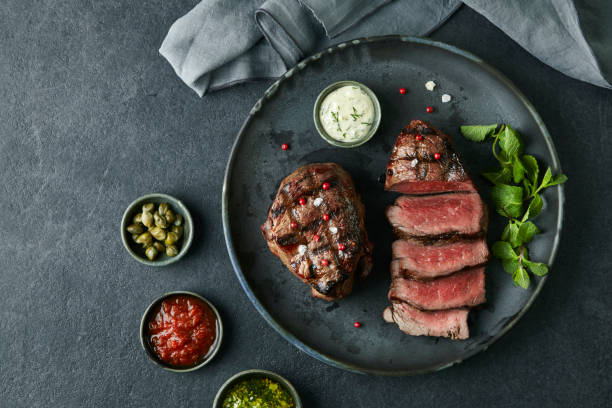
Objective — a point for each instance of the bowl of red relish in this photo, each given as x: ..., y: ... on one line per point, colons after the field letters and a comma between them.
x: 181, y: 331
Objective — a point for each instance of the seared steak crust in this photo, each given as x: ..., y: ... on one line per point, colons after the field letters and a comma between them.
x: 312, y: 241
x: 413, y: 168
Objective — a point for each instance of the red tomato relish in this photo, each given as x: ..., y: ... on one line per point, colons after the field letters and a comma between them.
x: 182, y: 329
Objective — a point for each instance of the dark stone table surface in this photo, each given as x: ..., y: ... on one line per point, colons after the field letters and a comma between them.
x: 91, y: 117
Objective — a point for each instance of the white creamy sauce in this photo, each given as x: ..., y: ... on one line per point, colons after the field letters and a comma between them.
x: 347, y: 114
x: 430, y: 85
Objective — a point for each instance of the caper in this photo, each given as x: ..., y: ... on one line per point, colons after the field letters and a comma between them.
x: 151, y: 253
x: 178, y: 220
x: 163, y: 207
x: 148, y: 207
x: 171, y: 250
x: 170, y: 217
x: 145, y: 239
x: 147, y: 219
x: 178, y: 230
x: 160, y: 221
x: 171, y: 238
x: 159, y: 246
x: 135, y: 229
x: 158, y: 233
x: 135, y: 237
x: 137, y: 218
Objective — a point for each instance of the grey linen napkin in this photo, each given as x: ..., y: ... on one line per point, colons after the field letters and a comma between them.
x: 223, y: 42
x: 572, y: 36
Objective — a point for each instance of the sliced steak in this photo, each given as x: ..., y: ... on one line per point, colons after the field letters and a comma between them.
x: 442, y: 216
x: 414, y: 169
x: 450, y: 323
x: 306, y: 243
x: 413, y: 259
x: 464, y: 288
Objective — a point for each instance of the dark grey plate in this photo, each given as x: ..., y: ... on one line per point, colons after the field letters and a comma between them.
x: 284, y: 115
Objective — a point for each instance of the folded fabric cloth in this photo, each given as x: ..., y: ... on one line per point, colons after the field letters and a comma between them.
x: 572, y: 36
x: 223, y: 42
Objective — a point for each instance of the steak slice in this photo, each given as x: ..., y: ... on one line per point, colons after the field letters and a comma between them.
x: 413, y: 259
x: 450, y: 323
x: 413, y: 168
x: 309, y: 248
x: 442, y: 216
x: 464, y: 288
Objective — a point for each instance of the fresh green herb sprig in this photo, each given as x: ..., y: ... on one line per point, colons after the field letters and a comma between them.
x: 516, y: 196
x: 356, y: 115
x: 337, y: 120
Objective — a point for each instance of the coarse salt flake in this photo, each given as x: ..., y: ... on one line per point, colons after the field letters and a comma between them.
x: 430, y: 85
x: 446, y: 98
x: 317, y: 202
x: 333, y: 230
x: 302, y: 249
x: 414, y: 162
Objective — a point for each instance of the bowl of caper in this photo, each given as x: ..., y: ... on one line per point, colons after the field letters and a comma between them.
x: 157, y: 229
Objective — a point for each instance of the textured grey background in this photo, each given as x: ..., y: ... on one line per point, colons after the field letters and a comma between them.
x: 92, y: 117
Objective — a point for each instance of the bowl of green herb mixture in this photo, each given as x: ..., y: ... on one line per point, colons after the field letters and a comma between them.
x: 257, y: 389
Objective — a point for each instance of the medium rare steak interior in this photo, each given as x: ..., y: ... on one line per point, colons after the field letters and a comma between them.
x: 316, y: 226
x: 437, y: 271
x: 442, y: 216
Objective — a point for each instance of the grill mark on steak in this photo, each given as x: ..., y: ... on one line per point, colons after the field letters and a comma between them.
x: 347, y: 214
x: 412, y: 164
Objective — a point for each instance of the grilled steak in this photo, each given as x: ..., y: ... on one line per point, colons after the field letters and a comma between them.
x: 309, y: 245
x: 414, y: 169
x: 464, y: 288
x: 437, y: 271
x: 441, y: 323
x: 413, y: 259
x: 442, y: 216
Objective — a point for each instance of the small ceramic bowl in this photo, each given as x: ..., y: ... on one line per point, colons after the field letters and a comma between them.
x: 146, y: 344
x: 256, y: 373
x: 319, y: 125
x: 135, y: 249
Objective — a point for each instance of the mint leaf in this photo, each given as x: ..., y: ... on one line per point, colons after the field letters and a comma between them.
x: 510, y: 265
x: 510, y: 142
x: 477, y: 133
x: 560, y: 179
x: 508, y: 200
x: 535, y: 207
x: 503, y: 176
x: 546, y: 179
x: 521, y: 277
x: 518, y: 170
x: 503, y: 250
x: 537, y: 268
x: 531, y: 168
x: 510, y: 234
x: 526, y: 232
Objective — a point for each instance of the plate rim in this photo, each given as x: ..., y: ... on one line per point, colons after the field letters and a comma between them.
x: 270, y: 91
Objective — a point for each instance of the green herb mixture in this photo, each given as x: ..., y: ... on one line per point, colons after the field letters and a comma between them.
x: 516, y: 196
x: 259, y: 392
